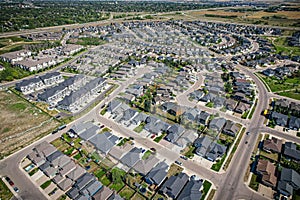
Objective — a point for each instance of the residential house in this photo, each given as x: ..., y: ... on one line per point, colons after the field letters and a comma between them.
x: 157, y: 174
x: 104, y: 193
x: 290, y: 151
x: 288, y: 182
x: 295, y: 109
x: 15, y: 56
x: 294, y: 123
x: 230, y: 104
x: 140, y: 117
x: 173, y: 186
x: 52, y: 78
x: 242, y: 107
x: 206, y: 148
x: 89, y: 133
x: 231, y: 128
x: 217, y: 124
x: 174, y: 132
x: 113, y: 105
x: 132, y: 157
x: 203, y: 118
x: 187, y: 138
x: 144, y: 166
x: 267, y: 172
x: 103, y: 142
x: 172, y: 108
x: 197, y: 95
x: 280, y: 119
x: 191, y: 190
x: 273, y: 145
x: 191, y: 114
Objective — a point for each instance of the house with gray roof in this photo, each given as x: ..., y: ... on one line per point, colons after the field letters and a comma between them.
x: 174, y: 132
x: 294, y: 123
x: 217, y: 124
x: 66, y: 184
x: 81, y: 127
x: 231, y: 128
x: 128, y: 115
x: 144, y: 166
x: 132, y: 157
x: 209, y: 149
x: 52, y: 78
x: 30, y: 85
x: 76, y: 173
x: 291, y: 152
x: 173, y: 186
x: 289, y: 181
x: 137, y: 119
x: 102, y: 142
x: 187, y: 138
x: 157, y: 174
x: 191, y: 114
x: 191, y: 190
x: 203, y: 118
x: 113, y: 105
x: 280, y: 119
x: 89, y: 133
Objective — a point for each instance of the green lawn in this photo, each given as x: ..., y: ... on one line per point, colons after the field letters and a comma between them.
x: 217, y: 166
x: 281, y: 45
x: 105, y: 181
x: 146, y: 154
x: 158, y: 139
x: 35, y: 170
x: 46, y: 184
x: 206, y: 187
x: 271, y: 156
x: 139, y: 128
x: 290, y: 94
x: 190, y: 152
x: 117, y: 186
x: 5, y: 193
x: 123, y: 142
x: 280, y: 85
x: 77, y: 156
x: 253, y: 183
x: 126, y: 193
x: 99, y: 173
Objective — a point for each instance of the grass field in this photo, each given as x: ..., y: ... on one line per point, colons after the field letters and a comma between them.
x: 279, y: 85
x: 290, y: 94
x: 281, y: 46
x: 21, y: 123
x: 5, y: 193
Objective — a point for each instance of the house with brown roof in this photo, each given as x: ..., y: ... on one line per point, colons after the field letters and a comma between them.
x: 273, y: 145
x: 267, y: 170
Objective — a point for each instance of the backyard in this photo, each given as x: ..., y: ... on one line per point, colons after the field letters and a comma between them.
x: 5, y: 193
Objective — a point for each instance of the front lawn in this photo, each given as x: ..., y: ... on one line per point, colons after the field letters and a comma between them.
x: 253, y: 183
x: 158, y: 139
x: 190, y: 152
x: 46, y: 184
x: 174, y: 169
x: 217, y: 166
x: 146, y: 154
x: 206, y: 187
x: 139, y: 128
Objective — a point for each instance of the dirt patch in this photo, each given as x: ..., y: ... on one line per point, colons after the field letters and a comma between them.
x: 21, y: 123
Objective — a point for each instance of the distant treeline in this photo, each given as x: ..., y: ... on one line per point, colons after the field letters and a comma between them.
x: 221, y: 16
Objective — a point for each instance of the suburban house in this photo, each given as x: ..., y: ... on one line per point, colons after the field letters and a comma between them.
x: 191, y: 190
x: 273, y: 145
x: 206, y: 148
x: 242, y: 107
x: 288, y: 182
x: 174, y: 132
x: 290, y: 151
x: 13, y: 57
x: 157, y: 174
x: 294, y: 123
x: 203, y: 118
x: 52, y: 78
x: 144, y: 166
x: 173, y: 186
x: 231, y: 128
x: 132, y: 157
x: 280, y: 119
x: 266, y: 170
x: 187, y: 138
x: 172, y: 108
x: 191, y: 114
x: 103, y: 142
x: 217, y: 124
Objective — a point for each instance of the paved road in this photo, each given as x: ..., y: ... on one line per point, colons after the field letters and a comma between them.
x: 182, y: 99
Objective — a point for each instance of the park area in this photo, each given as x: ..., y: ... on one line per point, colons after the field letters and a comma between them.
x: 21, y: 123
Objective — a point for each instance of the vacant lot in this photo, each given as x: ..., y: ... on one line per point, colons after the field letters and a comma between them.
x: 21, y: 123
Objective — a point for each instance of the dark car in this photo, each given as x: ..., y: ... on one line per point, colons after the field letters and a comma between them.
x: 16, y: 189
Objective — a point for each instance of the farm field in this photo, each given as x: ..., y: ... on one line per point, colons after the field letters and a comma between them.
x: 21, y: 123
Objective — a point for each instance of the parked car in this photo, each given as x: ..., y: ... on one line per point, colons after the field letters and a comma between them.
x: 152, y: 136
x: 178, y: 163
x: 183, y: 157
x: 16, y: 189
x: 153, y: 149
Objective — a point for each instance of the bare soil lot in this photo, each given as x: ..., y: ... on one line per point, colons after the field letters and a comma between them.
x: 20, y: 123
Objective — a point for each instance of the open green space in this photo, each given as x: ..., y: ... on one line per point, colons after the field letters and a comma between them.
x: 5, y: 193
x: 291, y: 94
x: 277, y: 85
x: 281, y: 46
